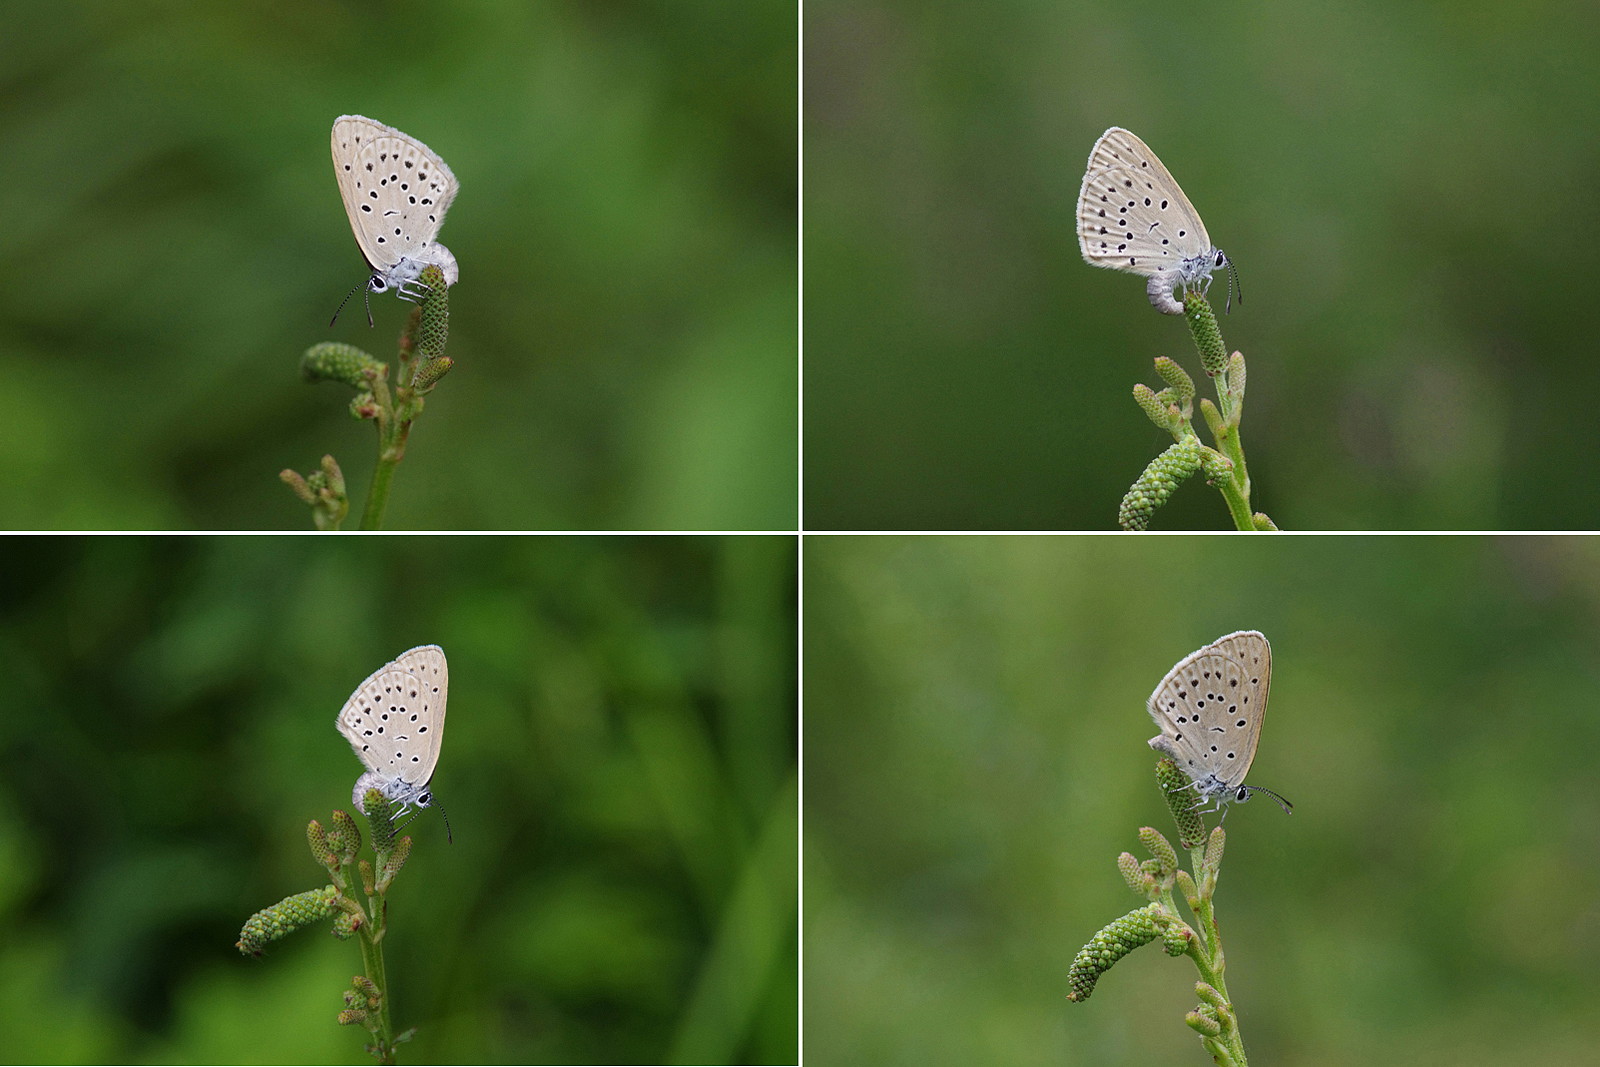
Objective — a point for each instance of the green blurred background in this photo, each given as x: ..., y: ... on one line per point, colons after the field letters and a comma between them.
x: 1394, y: 181
x: 975, y: 759
x: 619, y: 771
x: 624, y: 328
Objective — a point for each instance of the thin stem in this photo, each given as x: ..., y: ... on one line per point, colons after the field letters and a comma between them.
x: 372, y: 961
x: 1237, y: 498
x: 392, y: 434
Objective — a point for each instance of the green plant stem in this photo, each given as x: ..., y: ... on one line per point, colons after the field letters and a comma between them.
x: 372, y: 961
x: 1206, y: 951
x: 1236, y: 494
x: 392, y: 435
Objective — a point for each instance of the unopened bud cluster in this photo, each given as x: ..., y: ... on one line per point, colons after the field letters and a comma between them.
x: 1164, y: 474
x: 285, y: 917
x: 1108, y: 946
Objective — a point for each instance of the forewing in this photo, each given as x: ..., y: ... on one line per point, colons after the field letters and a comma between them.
x: 1209, y: 707
x: 396, y: 190
x: 395, y: 719
x: 1132, y: 215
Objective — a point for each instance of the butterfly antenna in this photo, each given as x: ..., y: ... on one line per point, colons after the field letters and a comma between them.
x: 1288, y: 808
x: 449, y: 837
x: 1233, y: 284
x: 342, y: 303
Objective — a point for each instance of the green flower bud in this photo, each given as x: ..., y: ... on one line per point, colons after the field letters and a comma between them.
x: 1214, y: 843
x: 1186, y: 886
x: 367, y: 989
x: 1207, y: 338
x: 1183, y: 801
x: 1202, y: 1022
x: 344, y: 837
x: 1159, y: 847
x: 345, y: 925
x: 333, y: 361
x: 1175, y: 376
x: 1134, y: 874
x: 1236, y: 383
x: 1163, y: 475
x: 320, y: 851
x: 429, y: 373
x: 393, y: 862
x: 433, y: 328
x: 285, y: 917
x: 1107, y: 947
x: 1159, y: 408
x: 1176, y: 938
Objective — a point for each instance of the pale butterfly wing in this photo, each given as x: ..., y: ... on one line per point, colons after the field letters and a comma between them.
x: 1133, y: 216
x: 395, y: 722
x: 1209, y: 710
x: 396, y: 191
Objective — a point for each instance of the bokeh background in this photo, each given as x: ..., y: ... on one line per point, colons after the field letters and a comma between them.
x: 624, y: 329
x: 975, y: 759
x: 1396, y: 183
x: 619, y: 771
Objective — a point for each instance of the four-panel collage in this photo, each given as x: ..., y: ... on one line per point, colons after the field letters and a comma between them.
x: 769, y: 534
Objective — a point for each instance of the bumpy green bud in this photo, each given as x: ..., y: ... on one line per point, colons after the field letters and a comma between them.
x: 1186, y: 886
x: 1175, y: 376
x: 323, y: 490
x: 1211, y: 995
x: 352, y: 1017
x: 1207, y: 337
x: 1182, y: 801
x: 1164, y: 474
x: 1156, y: 407
x: 318, y: 838
x: 345, y: 925
x: 1203, y: 1022
x: 334, y: 361
x: 367, y: 880
x: 1214, y: 843
x: 344, y: 837
x: 380, y: 811
x: 285, y: 917
x: 1176, y: 938
x: 1218, y: 468
x: 297, y: 482
x: 1214, y: 420
x: 1159, y: 847
x: 429, y: 373
x: 433, y: 328
x: 1107, y: 947
x: 1236, y: 382
x: 1134, y: 874
x: 393, y: 862
x: 367, y: 989
x: 364, y: 405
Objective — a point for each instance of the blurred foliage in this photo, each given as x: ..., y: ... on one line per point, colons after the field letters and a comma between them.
x: 624, y: 328
x: 1388, y: 178
x: 619, y: 771
x: 975, y: 752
